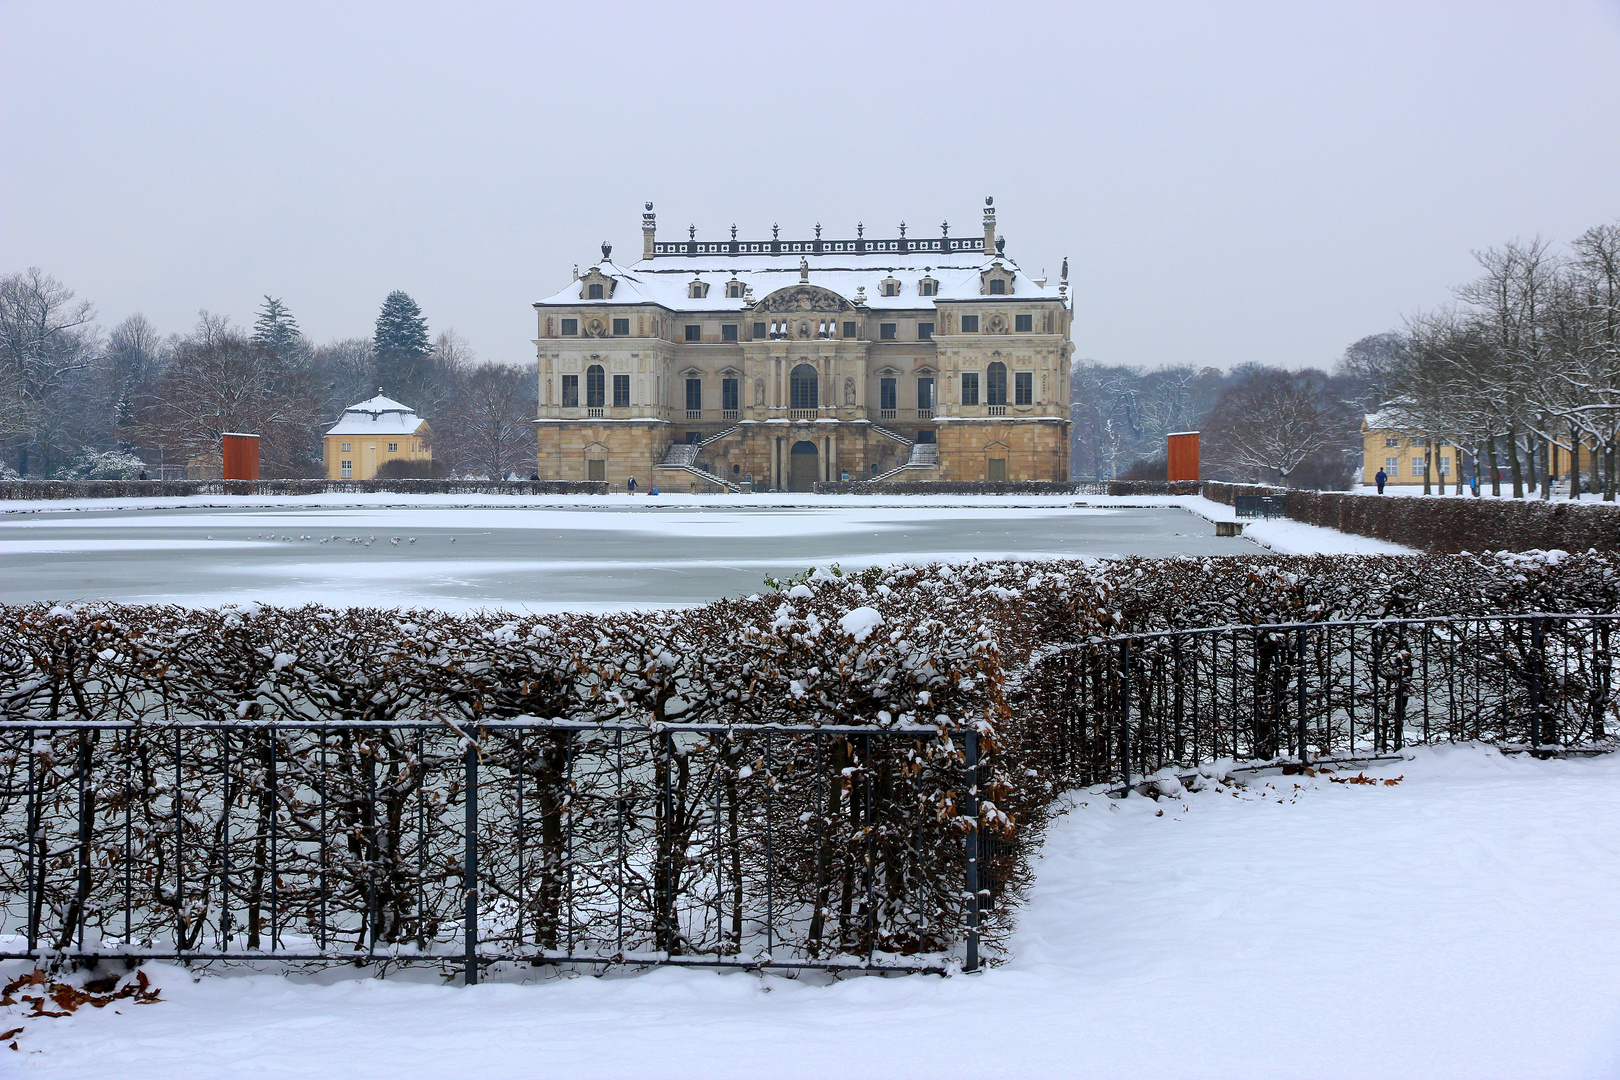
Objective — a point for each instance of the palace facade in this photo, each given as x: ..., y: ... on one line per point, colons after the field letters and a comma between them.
x: 780, y: 363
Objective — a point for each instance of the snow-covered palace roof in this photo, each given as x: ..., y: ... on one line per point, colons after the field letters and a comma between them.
x: 733, y: 275
x: 377, y: 416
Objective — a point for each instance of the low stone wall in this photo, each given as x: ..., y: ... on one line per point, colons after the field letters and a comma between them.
x: 1006, y: 487
x: 125, y: 489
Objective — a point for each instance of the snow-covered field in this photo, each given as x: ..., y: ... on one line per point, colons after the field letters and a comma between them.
x: 560, y: 552
x: 1461, y: 922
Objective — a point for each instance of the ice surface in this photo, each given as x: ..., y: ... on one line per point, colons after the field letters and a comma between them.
x: 1463, y: 922
x: 553, y: 553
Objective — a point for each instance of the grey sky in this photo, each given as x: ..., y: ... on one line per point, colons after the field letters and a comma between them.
x: 1230, y: 182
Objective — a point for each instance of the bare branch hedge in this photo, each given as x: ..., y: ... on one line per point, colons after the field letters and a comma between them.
x: 660, y: 818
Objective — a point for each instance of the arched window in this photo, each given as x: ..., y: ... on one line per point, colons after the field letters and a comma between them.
x: 595, y: 387
x: 802, y: 387
x: 995, y: 384
x: 998, y: 287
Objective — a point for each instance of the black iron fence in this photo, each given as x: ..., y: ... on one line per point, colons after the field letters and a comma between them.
x: 1117, y: 709
x: 531, y: 840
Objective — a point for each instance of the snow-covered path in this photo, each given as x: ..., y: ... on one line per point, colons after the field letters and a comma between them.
x: 1464, y: 922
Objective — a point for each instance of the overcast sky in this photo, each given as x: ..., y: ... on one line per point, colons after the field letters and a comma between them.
x: 1230, y: 182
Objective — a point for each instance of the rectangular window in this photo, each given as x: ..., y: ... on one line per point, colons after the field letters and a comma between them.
x: 970, y: 387
x: 1392, y: 442
x: 1024, y: 387
x: 728, y: 332
x: 886, y: 331
x: 1392, y: 465
x: 621, y: 327
x: 570, y: 327
x: 1023, y: 324
x: 393, y: 448
x: 345, y: 448
x: 570, y: 391
x: 348, y: 470
x: 694, y: 395
x: 998, y: 287
x: 694, y: 333
x: 925, y: 331
x: 596, y: 469
x: 1445, y: 465
x: 728, y: 394
x: 997, y: 472
x: 970, y: 324
x: 759, y: 331
x: 621, y: 391
x: 887, y: 393
x: 1417, y: 467
x: 595, y: 292
x: 850, y: 331
x: 925, y: 394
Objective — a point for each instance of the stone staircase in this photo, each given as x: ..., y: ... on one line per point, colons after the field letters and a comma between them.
x: 923, y: 456
x: 683, y: 457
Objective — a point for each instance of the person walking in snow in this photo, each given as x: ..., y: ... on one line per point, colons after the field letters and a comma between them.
x: 1381, y: 479
x: 631, y: 486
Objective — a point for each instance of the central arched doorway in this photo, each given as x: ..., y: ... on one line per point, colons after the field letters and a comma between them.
x: 804, y: 467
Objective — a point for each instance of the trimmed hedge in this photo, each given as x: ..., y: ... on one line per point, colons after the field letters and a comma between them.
x: 1447, y: 524
x: 124, y: 489
x: 1006, y: 487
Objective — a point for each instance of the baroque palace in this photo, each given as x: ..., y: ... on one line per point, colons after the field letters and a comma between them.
x: 780, y: 363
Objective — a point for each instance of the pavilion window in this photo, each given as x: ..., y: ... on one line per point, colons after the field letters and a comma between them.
x: 621, y: 391
x: 694, y: 333
x: 995, y: 384
x: 595, y: 387
x: 694, y: 395
x: 621, y: 327
x: 970, y: 387
x: 594, y: 292
x: 998, y: 287
x: 1024, y: 388
x: 570, y: 391
x: 887, y: 393
x: 1023, y: 324
x: 970, y: 324
x: 729, y: 394
x: 802, y: 388
x: 570, y: 328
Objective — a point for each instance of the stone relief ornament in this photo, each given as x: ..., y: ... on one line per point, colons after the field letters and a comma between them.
x: 759, y: 393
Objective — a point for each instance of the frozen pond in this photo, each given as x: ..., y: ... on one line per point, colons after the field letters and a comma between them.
x: 535, y: 558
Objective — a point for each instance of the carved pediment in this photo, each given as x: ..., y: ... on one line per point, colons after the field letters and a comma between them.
x: 797, y: 298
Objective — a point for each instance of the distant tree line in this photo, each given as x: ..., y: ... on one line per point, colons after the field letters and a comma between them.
x: 1257, y: 424
x: 80, y: 402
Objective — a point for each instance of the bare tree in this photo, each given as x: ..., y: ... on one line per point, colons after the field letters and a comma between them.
x: 488, y: 428
x: 220, y: 381
x: 45, y: 340
x: 1269, y: 422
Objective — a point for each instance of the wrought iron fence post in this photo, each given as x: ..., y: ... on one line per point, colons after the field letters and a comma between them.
x: 469, y: 871
x: 1125, y: 720
x: 1535, y: 683
x: 1304, y: 754
x: 971, y: 812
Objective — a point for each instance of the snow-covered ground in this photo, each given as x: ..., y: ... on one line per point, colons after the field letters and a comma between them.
x: 1461, y: 922
x: 564, y: 552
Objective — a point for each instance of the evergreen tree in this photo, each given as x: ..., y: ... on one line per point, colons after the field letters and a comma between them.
x: 401, y: 329
x: 275, y: 327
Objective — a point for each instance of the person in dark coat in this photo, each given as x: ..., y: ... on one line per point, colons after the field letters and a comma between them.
x: 631, y: 486
x: 1381, y: 479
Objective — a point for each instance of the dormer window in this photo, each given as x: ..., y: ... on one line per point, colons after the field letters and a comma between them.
x: 697, y: 289
x: 890, y: 287
x: 998, y: 286
x: 595, y: 285
x: 594, y: 291
x: 997, y: 281
x: 927, y: 287
x: 734, y: 289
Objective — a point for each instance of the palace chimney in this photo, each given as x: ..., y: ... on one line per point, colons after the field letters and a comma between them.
x: 649, y: 226
x: 989, y: 225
